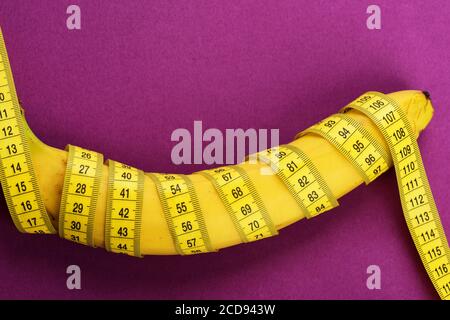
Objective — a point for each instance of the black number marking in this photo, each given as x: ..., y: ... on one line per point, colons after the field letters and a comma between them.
x: 237, y: 192
x: 181, y: 207
x: 123, y: 213
x: 191, y: 242
x: 21, y: 187
x: 125, y: 193
x: 370, y: 159
x: 344, y: 133
x: 77, y: 207
x: 7, y: 131
x: 303, y: 181
x: 254, y: 225
x: 123, y: 231
x: 246, y: 209
x: 409, y: 167
x: 227, y: 176
x: 126, y: 175
x: 3, y: 114
x: 16, y: 167
x: 417, y: 200
x: 75, y: 225
x: 122, y: 246
x: 12, y: 149
x: 329, y: 123
x: 81, y: 188
x: 399, y: 134
x: 83, y: 169
x: 175, y: 188
x: 26, y: 205
x: 85, y: 155
x: 405, y: 151
x: 186, y: 226
x: 389, y: 117
x: 291, y: 166
x: 31, y: 222
x: 358, y: 146
x: 313, y: 196
x: 377, y: 104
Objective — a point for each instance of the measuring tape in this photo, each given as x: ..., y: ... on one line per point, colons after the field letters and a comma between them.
x: 124, y: 209
x: 301, y: 177
x: 419, y: 208
x: 243, y: 203
x: 183, y: 214
x: 79, y: 197
x: 17, y: 175
x: 238, y: 194
x: 355, y: 143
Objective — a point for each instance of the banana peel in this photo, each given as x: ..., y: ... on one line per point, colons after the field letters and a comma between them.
x: 336, y: 170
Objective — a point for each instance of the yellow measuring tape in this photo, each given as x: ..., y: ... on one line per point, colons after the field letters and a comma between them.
x: 124, y: 209
x: 355, y: 143
x: 301, y: 177
x: 183, y: 213
x: 17, y: 175
x: 239, y: 196
x: 243, y: 203
x: 419, y: 208
x: 79, y: 196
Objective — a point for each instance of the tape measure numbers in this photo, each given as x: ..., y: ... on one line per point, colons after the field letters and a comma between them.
x: 179, y: 199
x: 243, y: 203
x: 301, y: 177
x: 419, y: 208
x: 124, y: 209
x: 79, y: 197
x: 17, y: 175
x: 183, y: 213
x: 355, y: 143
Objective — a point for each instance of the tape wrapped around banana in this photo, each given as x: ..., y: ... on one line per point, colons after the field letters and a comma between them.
x: 266, y: 198
x: 125, y: 210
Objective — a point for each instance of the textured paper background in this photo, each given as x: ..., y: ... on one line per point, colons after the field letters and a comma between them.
x: 138, y: 70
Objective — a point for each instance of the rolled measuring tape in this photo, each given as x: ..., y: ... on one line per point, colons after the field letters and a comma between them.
x: 17, y: 174
x: 124, y: 209
x: 419, y: 208
x: 183, y: 213
x: 301, y: 177
x: 79, y: 197
x: 236, y: 190
x: 355, y: 143
x: 243, y: 203
x: 370, y: 159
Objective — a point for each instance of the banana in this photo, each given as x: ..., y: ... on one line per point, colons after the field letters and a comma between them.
x: 339, y: 174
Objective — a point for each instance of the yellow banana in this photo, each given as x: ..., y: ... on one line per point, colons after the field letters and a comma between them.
x: 339, y: 174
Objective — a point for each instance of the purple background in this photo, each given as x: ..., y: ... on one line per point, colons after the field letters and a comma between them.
x: 160, y: 65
